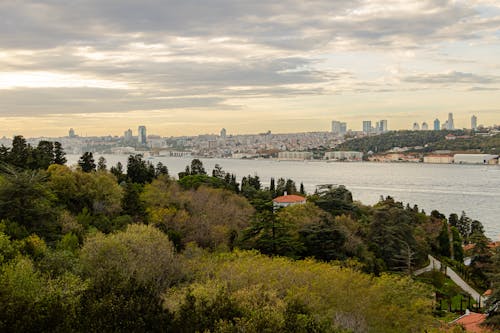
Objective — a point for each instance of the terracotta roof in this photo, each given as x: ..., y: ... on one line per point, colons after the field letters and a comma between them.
x: 487, y: 292
x: 491, y: 245
x: 471, y: 322
x: 289, y: 199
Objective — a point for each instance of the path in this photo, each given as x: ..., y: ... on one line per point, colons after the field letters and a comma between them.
x: 435, y: 264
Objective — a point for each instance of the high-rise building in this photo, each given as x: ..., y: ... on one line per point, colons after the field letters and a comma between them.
x: 223, y: 133
x: 416, y: 127
x: 445, y: 125
x: 383, y: 126
x: 473, y: 122
x: 339, y: 128
x: 71, y: 133
x: 451, y: 125
x: 437, y: 124
x: 127, y: 135
x: 425, y: 127
x: 141, y: 136
x: 367, y: 126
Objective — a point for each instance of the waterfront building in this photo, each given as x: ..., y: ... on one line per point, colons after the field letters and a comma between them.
x: 367, y: 126
x: 339, y: 128
x: 438, y: 158
x: 475, y: 159
x: 141, y: 137
x: 473, y: 123
x: 437, y: 124
x: 294, y: 155
x: 344, y: 155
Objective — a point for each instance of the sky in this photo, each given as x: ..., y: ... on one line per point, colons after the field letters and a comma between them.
x: 192, y: 66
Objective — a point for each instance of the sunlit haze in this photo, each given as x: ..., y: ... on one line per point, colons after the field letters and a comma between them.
x: 193, y: 67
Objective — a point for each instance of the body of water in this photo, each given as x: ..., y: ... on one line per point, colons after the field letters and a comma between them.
x: 448, y: 188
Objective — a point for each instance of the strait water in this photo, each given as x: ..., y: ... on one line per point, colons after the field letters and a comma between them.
x: 448, y: 188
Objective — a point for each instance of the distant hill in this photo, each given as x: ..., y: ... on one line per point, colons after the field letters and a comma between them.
x: 430, y: 140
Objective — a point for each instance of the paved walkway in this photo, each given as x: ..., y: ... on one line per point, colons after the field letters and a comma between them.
x: 435, y: 264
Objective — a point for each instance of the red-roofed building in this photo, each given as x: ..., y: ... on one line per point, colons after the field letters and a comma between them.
x: 472, y: 321
x: 288, y: 200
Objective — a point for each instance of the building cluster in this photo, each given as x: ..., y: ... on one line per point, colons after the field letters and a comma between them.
x: 339, y: 128
x: 448, y: 124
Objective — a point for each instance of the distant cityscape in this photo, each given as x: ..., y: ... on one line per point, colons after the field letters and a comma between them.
x: 286, y: 146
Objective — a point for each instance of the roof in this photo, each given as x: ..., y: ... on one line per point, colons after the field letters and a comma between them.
x: 472, y: 321
x: 289, y: 199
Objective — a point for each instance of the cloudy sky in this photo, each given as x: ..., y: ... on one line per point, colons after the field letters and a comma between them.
x: 195, y: 66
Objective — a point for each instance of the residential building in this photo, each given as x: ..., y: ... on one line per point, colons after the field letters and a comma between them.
x: 288, y: 200
x: 127, y: 135
x: 437, y: 124
x: 142, y: 137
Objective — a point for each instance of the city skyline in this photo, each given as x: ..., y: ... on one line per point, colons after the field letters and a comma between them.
x: 191, y: 68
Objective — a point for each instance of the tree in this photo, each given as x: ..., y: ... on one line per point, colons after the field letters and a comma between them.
x: 197, y: 167
x: 59, y: 154
x: 20, y: 152
x: 43, y: 155
x: 86, y: 162
x: 161, y: 170
x: 138, y: 171
x: 101, y: 164
x: 493, y: 303
x: 117, y: 171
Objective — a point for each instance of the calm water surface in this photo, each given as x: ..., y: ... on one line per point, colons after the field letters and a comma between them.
x: 474, y: 189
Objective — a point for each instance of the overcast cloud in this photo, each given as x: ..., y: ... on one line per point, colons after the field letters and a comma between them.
x: 349, y: 58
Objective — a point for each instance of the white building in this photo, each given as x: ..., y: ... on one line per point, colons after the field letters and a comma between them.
x: 416, y: 127
x: 367, y: 126
x: 425, y: 127
x: 294, y: 155
x: 475, y: 159
x: 344, y: 155
x: 450, y: 122
x: 473, y: 122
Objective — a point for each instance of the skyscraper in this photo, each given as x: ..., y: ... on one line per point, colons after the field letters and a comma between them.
x: 127, y: 135
x: 425, y: 127
x: 416, y: 127
x: 71, y: 133
x: 339, y: 128
x: 223, y: 133
x: 451, y: 125
x: 437, y: 124
x: 141, y: 136
x: 367, y: 126
x: 473, y: 122
x: 383, y: 126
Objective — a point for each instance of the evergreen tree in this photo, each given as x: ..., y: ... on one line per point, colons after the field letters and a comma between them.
x: 59, y: 154
x: 86, y: 162
x: 101, y: 164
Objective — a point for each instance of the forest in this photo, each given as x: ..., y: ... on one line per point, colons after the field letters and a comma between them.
x: 428, y: 141
x: 132, y: 248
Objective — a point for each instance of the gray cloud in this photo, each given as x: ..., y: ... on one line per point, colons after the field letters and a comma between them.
x: 452, y: 78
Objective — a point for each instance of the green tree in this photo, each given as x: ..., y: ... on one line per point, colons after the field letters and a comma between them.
x: 86, y: 162
x: 197, y: 167
x: 59, y: 154
x: 101, y: 164
x: 138, y: 171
